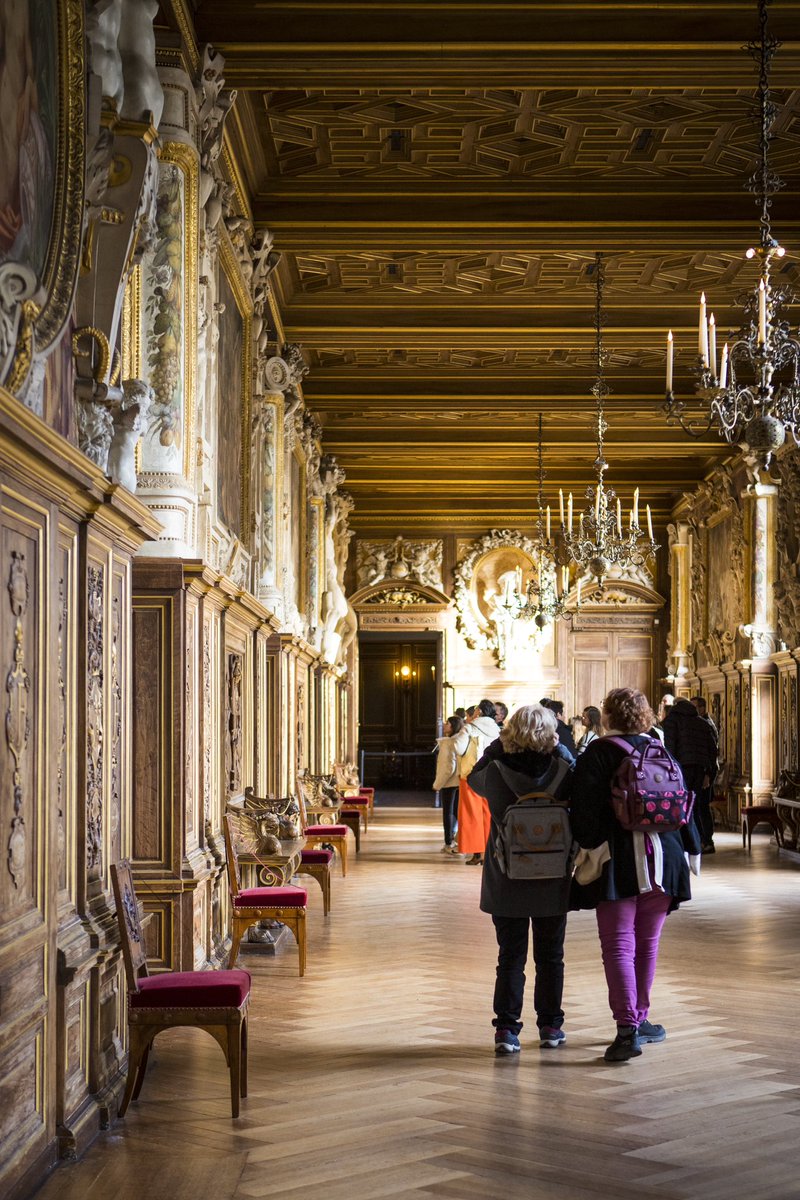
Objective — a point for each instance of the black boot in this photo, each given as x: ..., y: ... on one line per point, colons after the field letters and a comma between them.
x: 625, y: 1045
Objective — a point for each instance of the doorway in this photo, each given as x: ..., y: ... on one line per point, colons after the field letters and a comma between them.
x: 399, y: 714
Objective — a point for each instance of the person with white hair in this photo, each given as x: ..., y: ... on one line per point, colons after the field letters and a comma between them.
x: 526, y: 756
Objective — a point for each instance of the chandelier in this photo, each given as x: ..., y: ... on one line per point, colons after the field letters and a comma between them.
x: 752, y: 393
x: 545, y: 598
x: 601, y: 539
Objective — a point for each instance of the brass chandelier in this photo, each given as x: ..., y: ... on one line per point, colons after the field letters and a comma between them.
x: 601, y: 539
x: 751, y: 394
x: 545, y: 598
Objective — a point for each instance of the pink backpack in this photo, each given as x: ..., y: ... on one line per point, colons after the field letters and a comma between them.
x: 647, y: 792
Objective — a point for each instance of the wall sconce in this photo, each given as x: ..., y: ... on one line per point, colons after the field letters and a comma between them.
x: 405, y: 675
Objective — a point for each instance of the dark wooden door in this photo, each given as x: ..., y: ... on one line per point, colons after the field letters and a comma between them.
x: 398, y: 710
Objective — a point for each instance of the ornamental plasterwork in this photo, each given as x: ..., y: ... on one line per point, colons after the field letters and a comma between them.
x: 398, y: 597
x: 480, y: 580
x: 718, y: 566
x: 400, y: 559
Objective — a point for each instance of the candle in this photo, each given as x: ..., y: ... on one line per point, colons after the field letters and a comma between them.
x: 702, y: 338
x: 569, y: 512
x: 561, y: 507
x: 762, y: 313
x: 619, y: 516
x: 548, y: 522
x: 564, y: 579
x: 723, y: 367
x: 636, y: 507
x: 712, y: 344
x: 650, y: 525
x: 519, y: 579
x: 578, y: 594
x: 670, y: 352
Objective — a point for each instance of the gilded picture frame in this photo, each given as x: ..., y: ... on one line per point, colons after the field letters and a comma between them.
x: 44, y: 172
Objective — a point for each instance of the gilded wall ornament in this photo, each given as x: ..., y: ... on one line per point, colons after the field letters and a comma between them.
x: 480, y: 581
x: 399, y: 559
x: 95, y: 730
x: 18, y: 725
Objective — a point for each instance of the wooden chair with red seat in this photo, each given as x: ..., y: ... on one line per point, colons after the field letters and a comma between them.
x: 760, y: 814
x: 349, y: 784
x: 323, y: 835
x: 314, y: 862
x: 325, y: 802
x: 251, y: 905
x: 215, y: 1001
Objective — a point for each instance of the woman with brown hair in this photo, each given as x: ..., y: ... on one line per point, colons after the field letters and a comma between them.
x: 592, y: 728
x: 645, y: 876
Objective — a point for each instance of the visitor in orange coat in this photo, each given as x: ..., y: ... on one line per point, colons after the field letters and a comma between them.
x: 473, y: 811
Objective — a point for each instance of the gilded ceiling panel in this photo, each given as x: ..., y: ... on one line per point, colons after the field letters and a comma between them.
x: 483, y: 360
x: 418, y: 133
x: 499, y: 273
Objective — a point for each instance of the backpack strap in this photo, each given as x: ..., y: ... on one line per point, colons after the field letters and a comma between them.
x: 553, y: 779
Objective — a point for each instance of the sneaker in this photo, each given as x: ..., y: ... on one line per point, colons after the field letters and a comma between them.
x: 505, y: 1042
x: 648, y: 1032
x: 625, y: 1045
x: 551, y: 1038
x: 452, y: 849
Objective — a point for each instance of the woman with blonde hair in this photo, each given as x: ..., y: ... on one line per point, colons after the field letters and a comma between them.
x: 525, y: 758
x: 645, y: 876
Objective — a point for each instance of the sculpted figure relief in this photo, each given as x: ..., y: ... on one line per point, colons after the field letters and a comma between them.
x: 400, y: 559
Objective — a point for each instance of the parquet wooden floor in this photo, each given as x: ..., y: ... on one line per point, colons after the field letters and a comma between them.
x: 374, y: 1075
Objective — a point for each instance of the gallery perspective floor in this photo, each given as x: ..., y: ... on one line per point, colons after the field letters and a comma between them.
x: 374, y: 1075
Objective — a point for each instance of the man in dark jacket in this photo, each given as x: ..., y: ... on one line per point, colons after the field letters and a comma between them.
x: 691, y: 741
x: 564, y: 732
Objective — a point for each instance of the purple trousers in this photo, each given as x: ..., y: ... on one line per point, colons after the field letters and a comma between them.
x: 629, y: 934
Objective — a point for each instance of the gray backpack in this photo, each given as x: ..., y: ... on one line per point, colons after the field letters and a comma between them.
x: 533, y: 839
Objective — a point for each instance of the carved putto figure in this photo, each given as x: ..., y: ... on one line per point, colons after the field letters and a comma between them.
x: 400, y: 559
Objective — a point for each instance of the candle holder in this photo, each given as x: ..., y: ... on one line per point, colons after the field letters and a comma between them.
x: 752, y: 394
x: 545, y: 598
x: 602, y: 540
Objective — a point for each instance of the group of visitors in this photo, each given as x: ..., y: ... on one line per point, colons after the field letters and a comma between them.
x: 632, y: 876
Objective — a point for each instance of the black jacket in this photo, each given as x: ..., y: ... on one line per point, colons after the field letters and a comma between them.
x: 565, y: 736
x: 593, y: 822
x: 501, y: 896
x: 689, y: 738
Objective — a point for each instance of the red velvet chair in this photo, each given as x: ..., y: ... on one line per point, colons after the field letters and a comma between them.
x: 317, y: 863
x: 251, y: 905
x: 320, y: 835
x: 215, y: 1001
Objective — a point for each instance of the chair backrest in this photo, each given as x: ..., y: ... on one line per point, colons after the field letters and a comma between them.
x: 345, y: 775
x: 130, y: 927
x: 301, y: 800
x: 229, y: 831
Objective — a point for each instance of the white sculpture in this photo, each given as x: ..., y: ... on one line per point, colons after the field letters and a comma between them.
x: 129, y: 415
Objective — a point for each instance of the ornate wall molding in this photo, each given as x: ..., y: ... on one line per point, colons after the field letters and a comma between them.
x: 17, y: 722
x: 479, y: 579
x: 95, y: 719
x: 399, y: 559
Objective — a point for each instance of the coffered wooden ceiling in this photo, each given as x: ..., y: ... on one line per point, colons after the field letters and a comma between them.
x: 438, y: 177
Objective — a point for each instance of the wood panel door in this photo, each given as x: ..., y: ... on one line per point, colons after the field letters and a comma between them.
x: 398, y: 710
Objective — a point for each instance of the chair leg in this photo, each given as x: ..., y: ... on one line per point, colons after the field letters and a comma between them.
x: 300, y: 935
x: 137, y: 1056
x: 243, y: 1039
x: 236, y: 938
x: 141, y: 1072
x: 744, y: 833
x: 343, y: 845
x: 235, y: 1065
x: 326, y: 891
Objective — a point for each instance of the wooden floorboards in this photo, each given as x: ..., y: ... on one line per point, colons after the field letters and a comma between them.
x: 374, y: 1075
